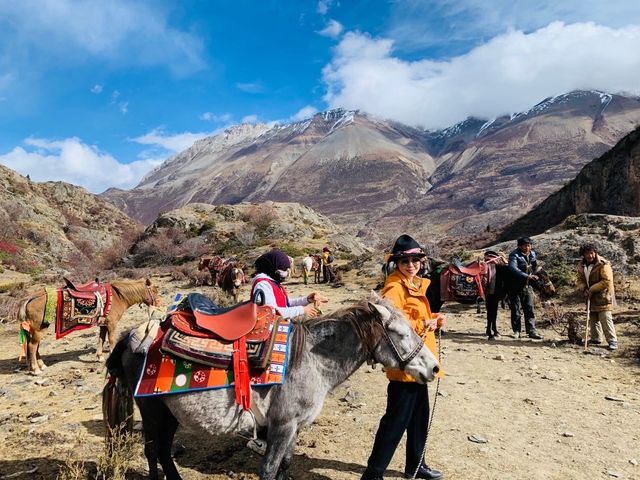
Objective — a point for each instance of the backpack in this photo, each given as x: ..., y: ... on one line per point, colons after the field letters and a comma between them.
x: 330, y: 259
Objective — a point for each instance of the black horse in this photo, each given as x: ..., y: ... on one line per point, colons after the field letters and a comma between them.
x: 506, y: 282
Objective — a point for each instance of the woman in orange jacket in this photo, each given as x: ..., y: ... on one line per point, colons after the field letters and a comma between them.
x: 407, y: 401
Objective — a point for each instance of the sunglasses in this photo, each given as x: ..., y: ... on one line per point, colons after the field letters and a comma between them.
x: 407, y: 261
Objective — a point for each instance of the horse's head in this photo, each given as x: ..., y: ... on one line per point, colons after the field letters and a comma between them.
x: 152, y: 298
x: 237, y: 276
x: 544, y: 284
x: 401, y: 347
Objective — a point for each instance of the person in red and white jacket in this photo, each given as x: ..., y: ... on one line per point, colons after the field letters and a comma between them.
x: 271, y: 270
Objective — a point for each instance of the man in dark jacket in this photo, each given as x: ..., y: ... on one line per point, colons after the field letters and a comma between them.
x: 523, y: 264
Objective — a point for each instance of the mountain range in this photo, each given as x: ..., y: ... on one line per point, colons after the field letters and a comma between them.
x: 375, y: 176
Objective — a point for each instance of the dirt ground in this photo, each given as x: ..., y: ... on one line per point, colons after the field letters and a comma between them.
x: 545, y: 408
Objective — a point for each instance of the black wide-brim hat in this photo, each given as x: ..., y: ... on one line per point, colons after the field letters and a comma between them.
x: 406, y: 246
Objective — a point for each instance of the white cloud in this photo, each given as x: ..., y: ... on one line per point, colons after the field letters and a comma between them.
x: 72, y: 161
x: 249, y: 119
x: 124, y: 107
x: 121, y: 32
x: 507, y: 74
x: 304, y: 113
x: 212, y: 117
x: 323, y: 6
x: 97, y: 89
x: 171, y: 143
x: 333, y: 29
x: 418, y: 24
x: 254, y: 87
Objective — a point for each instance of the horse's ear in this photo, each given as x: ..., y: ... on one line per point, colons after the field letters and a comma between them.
x: 148, y: 282
x: 384, y: 313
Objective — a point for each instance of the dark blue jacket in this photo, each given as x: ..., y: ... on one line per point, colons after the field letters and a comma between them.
x: 522, y: 265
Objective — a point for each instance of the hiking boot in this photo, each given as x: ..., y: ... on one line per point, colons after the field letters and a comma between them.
x: 613, y: 345
x: 491, y: 337
x: 515, y: 335
x: 425, y: 472
x: 595, y: 342
x: 535, y: 335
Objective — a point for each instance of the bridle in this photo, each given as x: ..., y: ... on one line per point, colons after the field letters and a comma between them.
x: 402, y: 361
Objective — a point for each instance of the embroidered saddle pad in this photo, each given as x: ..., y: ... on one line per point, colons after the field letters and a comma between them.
x: 164, y: 374
x: 199, y: 331
x: 78, y: 310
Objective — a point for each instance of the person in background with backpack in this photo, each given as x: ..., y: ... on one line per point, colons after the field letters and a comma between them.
x: 327, y: 270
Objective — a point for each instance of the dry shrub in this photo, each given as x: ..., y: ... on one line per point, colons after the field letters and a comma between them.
x: 119, y: 455
x: 260, y: 216
x: 72, y: 468
x: 565, y: 322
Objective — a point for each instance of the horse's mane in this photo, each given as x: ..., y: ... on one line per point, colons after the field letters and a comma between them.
x: 131, y: 291
x: 361, y: 317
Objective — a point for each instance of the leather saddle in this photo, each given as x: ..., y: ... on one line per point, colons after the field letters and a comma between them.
x: 86, y: 291
x: 200, y: 331
x: 466, y: 283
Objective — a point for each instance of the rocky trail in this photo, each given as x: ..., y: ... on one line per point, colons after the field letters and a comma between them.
x: 507, y: 409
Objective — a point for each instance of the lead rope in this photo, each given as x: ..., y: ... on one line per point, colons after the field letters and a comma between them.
x: 433, y: 410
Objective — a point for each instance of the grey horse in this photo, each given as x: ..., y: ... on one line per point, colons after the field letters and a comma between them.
x: 325, y: 351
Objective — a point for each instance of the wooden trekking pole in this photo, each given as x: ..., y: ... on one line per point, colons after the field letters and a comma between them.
x: 586, y: 330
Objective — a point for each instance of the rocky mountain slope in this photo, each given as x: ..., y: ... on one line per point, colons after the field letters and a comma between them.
x: 57, y: 226
x: 364, y: 172
x: 243, y: 231
x: 608, y: 184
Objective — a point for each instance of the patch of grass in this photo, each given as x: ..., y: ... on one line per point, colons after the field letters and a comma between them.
x: 118, y: 456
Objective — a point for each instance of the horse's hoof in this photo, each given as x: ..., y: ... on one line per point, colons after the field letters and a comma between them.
x: 100, y: 358
x: 36, y: 373
x: 41, y: 365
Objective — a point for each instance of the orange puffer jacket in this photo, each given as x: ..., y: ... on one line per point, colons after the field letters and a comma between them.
x: 413, y: 302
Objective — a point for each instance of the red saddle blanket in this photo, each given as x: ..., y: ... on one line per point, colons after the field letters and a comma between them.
x: 77, y: 311
x: 164, y: 374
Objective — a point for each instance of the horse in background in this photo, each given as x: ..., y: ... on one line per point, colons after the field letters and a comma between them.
x: 231, y: 278
x: 292, y: 268
x: 504, y: 282
x: 213, y: 264
x: 311, y: 263
x: 124, y: 294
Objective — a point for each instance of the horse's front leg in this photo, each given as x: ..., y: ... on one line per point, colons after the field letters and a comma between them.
x: 280, y: 446
x: 39, y: 360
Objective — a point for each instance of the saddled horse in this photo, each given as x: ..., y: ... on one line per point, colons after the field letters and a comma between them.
x: 504, y: 283
x: 213, y: 264
x: 231, y: 278
x: 325, y: 351
x: 311, y: 263
x: 124, y: 294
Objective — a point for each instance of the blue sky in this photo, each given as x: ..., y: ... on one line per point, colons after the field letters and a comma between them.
x: 97, y: 93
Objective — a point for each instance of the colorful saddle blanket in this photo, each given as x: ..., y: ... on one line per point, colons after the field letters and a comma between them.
x: 77, y: 310
x: 164, y: 374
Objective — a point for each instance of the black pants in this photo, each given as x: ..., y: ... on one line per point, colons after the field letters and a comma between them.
x: 327, y: 274
x: 407, y: 410
x: 520, y: 302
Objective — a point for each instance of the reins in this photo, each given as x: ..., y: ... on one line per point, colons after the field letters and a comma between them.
x: 433, y: 410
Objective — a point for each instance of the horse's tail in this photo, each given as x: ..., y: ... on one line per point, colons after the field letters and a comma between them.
x: 117, y: 398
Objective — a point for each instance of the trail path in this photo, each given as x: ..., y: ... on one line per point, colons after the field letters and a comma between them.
x: 542, y: 408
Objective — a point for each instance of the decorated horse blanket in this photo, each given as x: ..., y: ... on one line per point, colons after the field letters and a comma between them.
x: 164, y: 373
x: 75, y: 312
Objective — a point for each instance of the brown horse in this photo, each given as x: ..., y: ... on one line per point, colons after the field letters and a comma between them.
x: 214, y: 264
x: 124, y: 294
x: 231, y: 278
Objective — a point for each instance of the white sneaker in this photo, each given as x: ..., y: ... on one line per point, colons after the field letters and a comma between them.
x: 515, y: 335
x: 257, y: 445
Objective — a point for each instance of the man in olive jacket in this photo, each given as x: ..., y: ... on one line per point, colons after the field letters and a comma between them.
x: 595, y: 281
